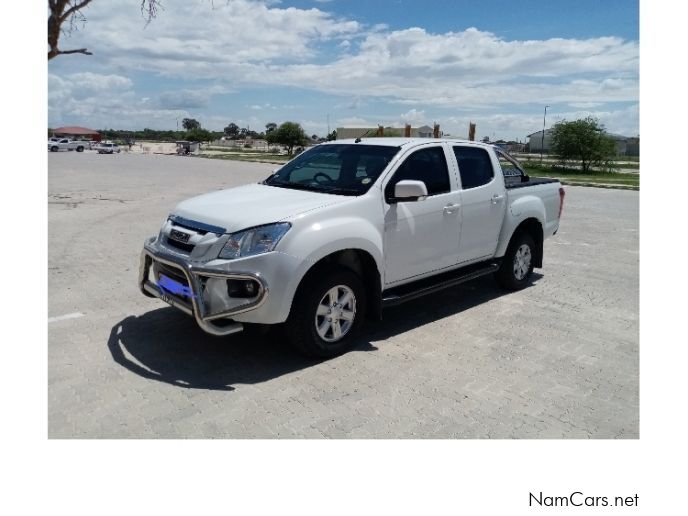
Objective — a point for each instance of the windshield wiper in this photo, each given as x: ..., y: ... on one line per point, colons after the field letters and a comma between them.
x: 315, y: 188
x: 340, y: 189
x: 293, y: 186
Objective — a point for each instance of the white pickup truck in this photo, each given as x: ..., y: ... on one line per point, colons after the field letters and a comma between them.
x: 346, y: 229
x: 58, y: 144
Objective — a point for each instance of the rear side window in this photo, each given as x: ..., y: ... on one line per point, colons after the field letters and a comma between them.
x: 475, y: 166
x: 512, y: 171
x: 427, y: 165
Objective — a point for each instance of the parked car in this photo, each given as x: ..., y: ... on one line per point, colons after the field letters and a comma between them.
x: 58, y: 144
x: 108, y: 148
x: 346, y: 229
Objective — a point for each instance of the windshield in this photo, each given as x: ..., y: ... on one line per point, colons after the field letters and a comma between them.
x: 345, y: 169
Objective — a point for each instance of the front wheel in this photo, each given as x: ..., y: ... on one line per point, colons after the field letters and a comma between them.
x: 328, y: 310
x: 517, y: 264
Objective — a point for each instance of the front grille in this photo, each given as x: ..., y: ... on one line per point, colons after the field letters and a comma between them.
x: 189, y: 227
x: 179, y: 245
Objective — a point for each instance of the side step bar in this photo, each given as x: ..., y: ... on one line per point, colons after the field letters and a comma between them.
x: 403, y: 293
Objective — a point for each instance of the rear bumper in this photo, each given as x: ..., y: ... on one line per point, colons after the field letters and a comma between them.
x: 196, y: 305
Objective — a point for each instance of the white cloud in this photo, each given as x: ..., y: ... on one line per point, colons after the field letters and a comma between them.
x: 413, y: 117
x: 101, y: 101
x: 355, y: 121
x: 472, y: 68
x: 257, y: 43
x: 97, y: 82
x: 585, y: 105
x: 240, y: 44
x: 192, y: 38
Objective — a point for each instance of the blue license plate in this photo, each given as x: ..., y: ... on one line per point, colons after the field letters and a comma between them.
x: 168, y: 285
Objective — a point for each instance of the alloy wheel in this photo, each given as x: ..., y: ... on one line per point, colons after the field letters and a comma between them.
x: 335, y: 314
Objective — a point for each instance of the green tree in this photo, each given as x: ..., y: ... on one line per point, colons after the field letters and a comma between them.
x: 232, y: 131
x: 289, y: 134
x: 199, y: 135
x: 583, y: 140
x: 332, y: 136
x: 269, y: 127
x: 191, y: 123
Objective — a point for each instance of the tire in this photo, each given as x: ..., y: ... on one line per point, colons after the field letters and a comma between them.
x: 517, y: 265
x: 54, y: 148
x: 310, y: 328
x: 80, y: 149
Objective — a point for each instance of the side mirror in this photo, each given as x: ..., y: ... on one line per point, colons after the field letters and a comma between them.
x: 408, y: 190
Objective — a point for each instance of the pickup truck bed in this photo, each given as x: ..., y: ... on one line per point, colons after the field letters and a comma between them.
x: 533, y: 181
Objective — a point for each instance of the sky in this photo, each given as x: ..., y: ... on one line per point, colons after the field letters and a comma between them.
x: 335, y: 63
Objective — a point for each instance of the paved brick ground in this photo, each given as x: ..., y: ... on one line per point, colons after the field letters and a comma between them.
x: 559, y: 359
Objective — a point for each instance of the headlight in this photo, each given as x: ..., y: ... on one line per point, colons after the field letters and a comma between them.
x: 250, y: 242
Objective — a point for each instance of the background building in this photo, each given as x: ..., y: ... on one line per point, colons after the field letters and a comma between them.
x: 369, y: 132
x: 81, y: 133
x: 535, y: 143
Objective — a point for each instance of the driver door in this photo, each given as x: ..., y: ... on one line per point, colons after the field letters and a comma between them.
x: 422, y: 236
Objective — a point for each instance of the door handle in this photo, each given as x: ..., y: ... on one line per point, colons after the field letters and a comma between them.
x: 451, y: 208
x: 497, y: 198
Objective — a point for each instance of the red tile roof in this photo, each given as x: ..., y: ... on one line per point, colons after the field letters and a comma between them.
x: 74, y: 130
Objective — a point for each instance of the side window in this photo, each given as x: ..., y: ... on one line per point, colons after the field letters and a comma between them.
x: 510, y: 169
x: 427, y: 165
x: 475, y: 166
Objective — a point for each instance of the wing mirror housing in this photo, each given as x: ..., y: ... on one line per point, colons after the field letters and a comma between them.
x: 410, y: 191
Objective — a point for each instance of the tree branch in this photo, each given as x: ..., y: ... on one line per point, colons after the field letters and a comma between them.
x: 63, y: 11
x: 56, y: 52
x: 76, y: 7
x: 76, y: 51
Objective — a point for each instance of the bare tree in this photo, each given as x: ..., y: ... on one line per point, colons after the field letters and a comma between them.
x: 66, y: 15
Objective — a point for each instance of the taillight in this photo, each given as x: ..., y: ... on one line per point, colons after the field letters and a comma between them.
x: 562, y: 194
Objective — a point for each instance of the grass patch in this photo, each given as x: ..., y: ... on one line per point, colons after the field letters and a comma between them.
x: 635, y: 166
x: 232, y: 150
x: 573, y: 177
x: 256, y: 158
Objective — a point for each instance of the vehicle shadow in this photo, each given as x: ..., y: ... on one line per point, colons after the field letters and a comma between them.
x: 166, y: 346
x: 432, y: 308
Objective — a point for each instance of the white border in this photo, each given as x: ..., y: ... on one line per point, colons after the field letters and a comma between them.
x: 343, y: 477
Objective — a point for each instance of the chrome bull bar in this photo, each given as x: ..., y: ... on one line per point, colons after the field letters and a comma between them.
x: 197, y: 308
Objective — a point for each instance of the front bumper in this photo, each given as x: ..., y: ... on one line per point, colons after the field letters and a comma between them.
x: 199, y: 304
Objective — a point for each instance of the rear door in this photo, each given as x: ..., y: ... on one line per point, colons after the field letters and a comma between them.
x: 483, y: 201
x: 422, y: 236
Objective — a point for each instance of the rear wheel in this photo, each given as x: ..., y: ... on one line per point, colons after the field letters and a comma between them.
x: 54, y: 148
x: 80, y: 149
x: 517, y: 264
x: 327, y: 312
